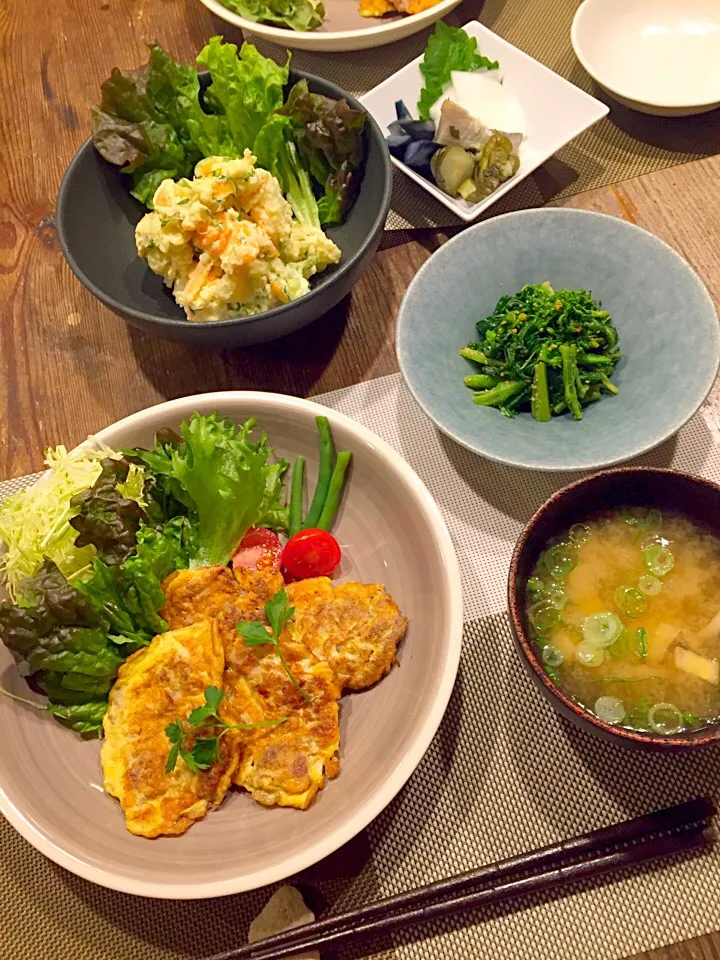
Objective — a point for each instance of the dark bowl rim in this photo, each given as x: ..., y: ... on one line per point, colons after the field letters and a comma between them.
x: 514, y: 600
x: 62, y: 205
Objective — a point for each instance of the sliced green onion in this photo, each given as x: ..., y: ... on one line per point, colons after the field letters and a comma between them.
x: 601, y: 629
x: 630, y: 601
x: 640, y: 642
x: 665, y: 718
x: 579, y: 533
x: 551, y: 656
x: 653, y: 519
x: 589, y: 654
x: 620, y: 648
x: 609, y: 709
x: 650, y: 585
x: 658, y: 559
x: 559, y: 561
x: 543, y: 616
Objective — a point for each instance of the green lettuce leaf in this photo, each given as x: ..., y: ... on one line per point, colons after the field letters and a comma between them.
x: 107, y: 519
x: 329, y: 138
x: 152, y: 124
x: 174, y: 89
x: 275, y: 150
x: 296, y: 14
x: 229, y: 480
x: 448, y: 49
x: 85, y: 718
x: 246, y: 86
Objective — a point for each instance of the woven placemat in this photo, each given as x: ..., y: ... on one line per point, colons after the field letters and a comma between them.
x: 625, y: 144
x: 503, y: 775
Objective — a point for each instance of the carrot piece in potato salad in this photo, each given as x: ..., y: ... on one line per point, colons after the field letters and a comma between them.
x: 227, y: 244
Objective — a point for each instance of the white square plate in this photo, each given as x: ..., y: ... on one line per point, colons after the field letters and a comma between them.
x: 556, y: 111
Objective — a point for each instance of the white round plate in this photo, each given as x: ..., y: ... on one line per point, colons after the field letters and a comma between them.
x: 344, y: 28
x: 657, y: 56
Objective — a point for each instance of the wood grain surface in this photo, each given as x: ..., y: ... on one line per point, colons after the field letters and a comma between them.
x: 68, y: 366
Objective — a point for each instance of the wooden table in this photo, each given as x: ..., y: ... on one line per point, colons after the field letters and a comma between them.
x: 69, y: 367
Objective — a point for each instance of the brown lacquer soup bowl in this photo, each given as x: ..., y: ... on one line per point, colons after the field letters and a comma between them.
x: 664, y: 490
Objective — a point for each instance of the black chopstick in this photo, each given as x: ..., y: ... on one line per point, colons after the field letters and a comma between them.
x: 593, y: 854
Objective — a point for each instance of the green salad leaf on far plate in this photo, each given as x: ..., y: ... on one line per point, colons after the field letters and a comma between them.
x: 297, y: 14
x: 448, y: 49
x: 246, y: 88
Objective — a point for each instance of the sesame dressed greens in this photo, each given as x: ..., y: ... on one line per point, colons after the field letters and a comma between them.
x: 550, y: 351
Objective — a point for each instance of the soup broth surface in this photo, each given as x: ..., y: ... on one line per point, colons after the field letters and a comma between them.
x: 625, y: 610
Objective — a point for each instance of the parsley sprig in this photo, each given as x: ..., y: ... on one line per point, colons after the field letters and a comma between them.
x: 278, y: 612
x: 197, y: 739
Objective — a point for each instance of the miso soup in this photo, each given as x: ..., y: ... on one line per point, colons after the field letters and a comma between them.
x: 625, y: 611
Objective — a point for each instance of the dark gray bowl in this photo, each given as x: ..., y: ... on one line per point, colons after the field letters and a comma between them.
x: 96, y: 219
x: 695, y: 497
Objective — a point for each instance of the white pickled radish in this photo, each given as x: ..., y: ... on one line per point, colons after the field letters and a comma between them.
x: 489, y: 101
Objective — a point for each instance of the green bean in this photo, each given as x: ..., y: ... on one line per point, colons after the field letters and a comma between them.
x: 325, y: 470
x: 296, y: 496
x: 333, y: 497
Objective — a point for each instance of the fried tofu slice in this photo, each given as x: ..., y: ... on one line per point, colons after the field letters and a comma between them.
x: 354, y: 627
x: 283, y: 765
x: 155, y: 687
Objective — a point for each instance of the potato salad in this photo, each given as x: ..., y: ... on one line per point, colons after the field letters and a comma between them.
x: 227, y: 243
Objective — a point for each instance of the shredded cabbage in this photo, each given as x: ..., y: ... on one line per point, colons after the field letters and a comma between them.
x: 34, y: 523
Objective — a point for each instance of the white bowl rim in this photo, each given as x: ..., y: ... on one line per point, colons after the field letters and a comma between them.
x: 280, y: 34
x: 541, y: 466
x: 346, y: 830
x: 618, y: 91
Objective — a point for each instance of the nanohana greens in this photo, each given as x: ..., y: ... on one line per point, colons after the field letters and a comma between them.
x: 549, y: 351
x: 157, y: 123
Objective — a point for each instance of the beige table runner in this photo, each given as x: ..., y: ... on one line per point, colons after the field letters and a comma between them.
x: 624, y: 144
x: 503, y: 775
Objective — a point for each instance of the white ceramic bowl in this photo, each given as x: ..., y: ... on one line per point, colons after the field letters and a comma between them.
x: 344, y: 28
x: 393, y: 533
x: 657, y: 56
x: 556, y: 111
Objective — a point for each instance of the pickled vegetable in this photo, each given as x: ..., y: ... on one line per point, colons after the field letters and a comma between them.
x: 451, y: 166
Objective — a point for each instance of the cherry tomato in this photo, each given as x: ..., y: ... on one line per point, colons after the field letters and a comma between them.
x: 259, y: 549
x: 311, y: 553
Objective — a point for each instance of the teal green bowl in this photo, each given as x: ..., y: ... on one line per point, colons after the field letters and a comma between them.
x: 668, y: 327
